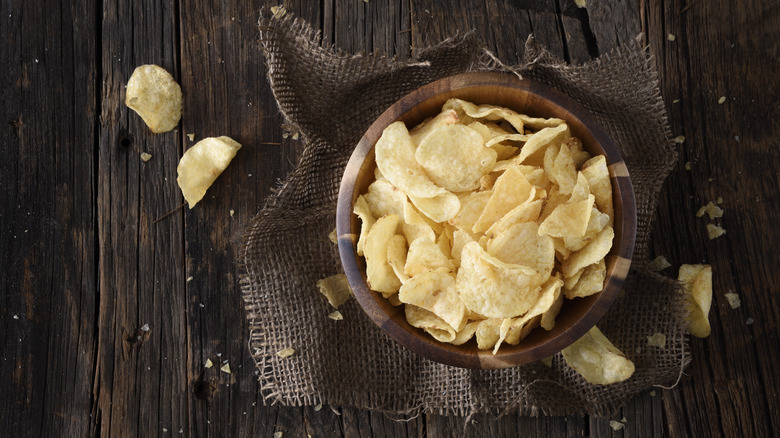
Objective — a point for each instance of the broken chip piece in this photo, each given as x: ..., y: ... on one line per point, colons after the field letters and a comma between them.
x: 287, y: 352
x: 657, y: 340
x: 153, y: 93
x: 714, y: 231
x: 697, y: 280
x: 597, y: 360
x: 336, y: 289
x: 733, y: 300
x: 201, y: 164
x: 658, y: 264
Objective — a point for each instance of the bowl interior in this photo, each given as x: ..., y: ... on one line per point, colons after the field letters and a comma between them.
x: 525, y: 96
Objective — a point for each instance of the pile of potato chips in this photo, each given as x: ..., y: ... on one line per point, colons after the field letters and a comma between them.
x: 481, y: 220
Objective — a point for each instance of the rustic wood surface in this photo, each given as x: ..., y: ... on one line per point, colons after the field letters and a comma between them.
x: 90, y: 253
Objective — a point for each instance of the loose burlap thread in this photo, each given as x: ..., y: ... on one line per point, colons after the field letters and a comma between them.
x: 330, y: 98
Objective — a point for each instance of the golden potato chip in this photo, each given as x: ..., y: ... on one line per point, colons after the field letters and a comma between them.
x: 454, y: 157
x: 579, y: 155
x: 393, y: 300
x: 332, y: 236
x: 396, y: 256
x: 435, y: 291
x: 525, y: 212
x: 590, y: 282
x: 464, y: 335
x: 444, y: 242
x: 714, y: 231
x: 581, y: 190
x: 547, y: 306
x: 538, y: 178
x: 440, y: 208
x: 561, y: 170
x: 697, y: 280
x: 493, y: 113
x: 336, y: 289
x: 569, y: 283
x: 424, y: 255
x: 363, y: 211
x: 381, y: 277
x: 595, y: 170
x: 415, y: 225
x: 383, y: 198
x: 506, y: 137
x: 429, y: 322
x: 596, y: 223
x: 521, y: 244
x: 287, y: 352
x: 424, y: 129
x: 488, y: 181
x: 336, y: 316
x: 471, y: 207
x: 487, y: 333
x: 512, y: 188
x: 594, y: 251
x: 459, y: 239
x: 568, y: 220
x: 597, y: 360
x: 493, y: 288
x: 554, y: 199
x: 153, y: 93
x: 733, y: 299
x: 534, y: 148
x: 201, y: 164
x: 547, y: 361
x: 395, y: 158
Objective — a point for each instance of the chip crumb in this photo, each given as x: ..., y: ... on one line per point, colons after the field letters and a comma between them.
x: 711, y: 209
x: 191, y: 137
x: 219, y: 354
x: 733, y: 300
x: 580, y: 3
x: 16, y: 316
x: 547, y: 361
x: 208, y: 364
x: 232, y: 212
x: 287, y: 352
x: 676, y: 101
x: 333, y: 236
x: 680, y: 139
x: 687, y: 165
x: 671, y: 37
x: 165, y: 430
x: 658, y: 264
x: 189, y: 279
x: 710, y: 179
x: 749, y: 321
x: 225, y: 368
x: 652, y: 393
x: 657, y: 340
x: 722, y: 100
x: 145, y: 157
x: 318, y: 408
x: 278, y: 434
x: 714, y: 231
x: 719, y: 200
x: 145, y: 328
x: 336, y: 316
x: 616, y: 425
x: 278, y: 11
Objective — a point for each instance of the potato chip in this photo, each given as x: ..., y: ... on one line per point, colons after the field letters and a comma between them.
x: 471, y: 207
x: 594, y: 251
x: 428, y: 321
x: 506, y: 137
x: 488, y: 181
x: 439, y: 208
x: 153, y: 93
x: 396, y: 256
x: 201, y: 164
x: 493, y: 113
x: 568, y: 220
x: 534, y: 148
x: 435, y: 291
x: 459, y: 239
x: 363, y: 211
x: 454, y: 157
x: 521, y: 244
x: 590, y: 282
x: 493, y: 288
x: 578, y: 154
x: 336, y: 289
x: 332, y: 236
x: 714, y: 231
x: 595, y: 170
x: 596, y: 223
x: 381, y: 277
x: 512, y: 188
x: 658, y: 264
x: 657, y: 340
x: 395, y: 158
x: 554, y: 199
x: 487, y: 333
x: 597, y: 360
x: 444, y: 242
x: 711, y: 209
x: 464, y: 335
x: 547, y: 306
x: 421, y: 131
x: 561, y: 170
x: 697, y: 280
x: 424, y: 255
x: 733, y: 299
x: 383, y: 198
x: 525, y: 212
x: 414, y: 225
x: 581, y: 190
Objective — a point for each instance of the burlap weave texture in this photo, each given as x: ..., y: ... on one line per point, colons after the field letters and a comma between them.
x: 331, y: 98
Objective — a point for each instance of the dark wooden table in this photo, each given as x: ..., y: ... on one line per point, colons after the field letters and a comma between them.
x: 89, y: 256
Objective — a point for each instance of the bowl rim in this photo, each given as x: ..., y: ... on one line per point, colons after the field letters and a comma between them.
x: 619, y: 258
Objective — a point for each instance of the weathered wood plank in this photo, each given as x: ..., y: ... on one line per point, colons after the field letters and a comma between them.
x: 47, y: 217
x: 720, y: 49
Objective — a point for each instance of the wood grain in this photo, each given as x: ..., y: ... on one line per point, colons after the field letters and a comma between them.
x: 85, y: 266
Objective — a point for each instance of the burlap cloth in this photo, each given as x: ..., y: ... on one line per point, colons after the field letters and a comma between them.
x: 331, y: 98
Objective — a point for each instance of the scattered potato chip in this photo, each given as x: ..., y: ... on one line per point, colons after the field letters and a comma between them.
x: 336, y: 289
x: 336, y: 315
x: 657, y: 340
x: 679, y: 139
x: 616, y: 425
x: 153, y: 93
x: 201, y: 164
x: 455, y: 157
x: 146, y: 156
x: 225, y: 368
x: 688, y: 165
x: 714, y: 231
x: 697, y: 280
x: 658, y: 264
x: 722, y: 100
x: 287, y: 352
x: 379, y: 273
x: 711, y: 209
x: 597, y: 360
x: 733, y: 300
x: 719, y: 200
x: 208, y: 364
x: 671, y: 37
x: 332, y: 236
x: 547, y: 361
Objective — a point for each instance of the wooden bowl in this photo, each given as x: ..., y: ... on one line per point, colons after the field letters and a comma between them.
x: 525, y: 96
